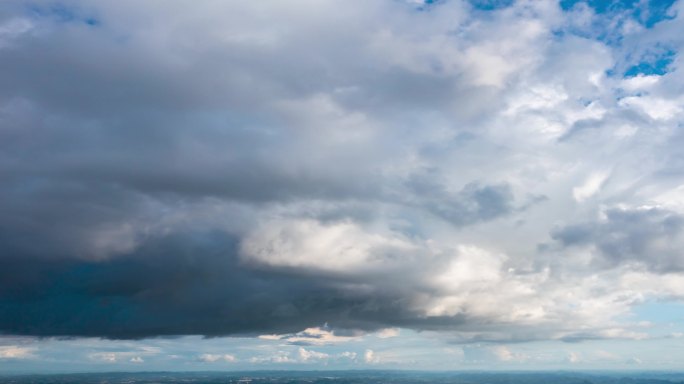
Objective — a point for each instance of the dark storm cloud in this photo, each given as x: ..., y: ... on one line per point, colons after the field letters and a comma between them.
x: 184, y: 284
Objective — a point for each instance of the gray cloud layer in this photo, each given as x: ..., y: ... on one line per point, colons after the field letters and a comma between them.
x: 223, y: 169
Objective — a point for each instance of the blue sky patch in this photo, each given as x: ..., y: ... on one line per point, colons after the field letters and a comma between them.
x: 648, y: 13
x: 656, y: 64
x: 490, y: 5
x: 61, y: 13
x: 660, y: 311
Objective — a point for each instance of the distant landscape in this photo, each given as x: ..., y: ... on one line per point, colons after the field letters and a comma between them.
x: 352, y: 377
x: 342, y: 191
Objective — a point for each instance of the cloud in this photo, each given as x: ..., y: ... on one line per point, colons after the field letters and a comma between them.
x: 235, y: 169
x: 12, y: 29
x: 336, y: 247
x: 134, y: 356
x: 478, y: 354
x: 503, y: 353
x: 348, y: 355
x: 590, y: 187
x: 370, y: 357
x: 107, y: 357
x: 214, y: 358
x: 387, y: 333
x: 303, y: 356
x: 607, y: 333
x: 306, y: 355
x: 314, y: 336
x: 574, y: 357
x: 649, y: 236
x: 15, y: 352
x: 281, y: 357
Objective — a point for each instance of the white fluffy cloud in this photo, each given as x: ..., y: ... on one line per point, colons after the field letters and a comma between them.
x: 313, y: 336
x: 370, y: 357
x: 215, y: 358
x: 306, y: 355
x: 16, y: 352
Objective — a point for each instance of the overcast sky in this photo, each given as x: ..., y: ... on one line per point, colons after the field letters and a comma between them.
x: 314, y: 184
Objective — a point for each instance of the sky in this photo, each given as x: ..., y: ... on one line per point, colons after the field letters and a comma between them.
x: 311, y: 185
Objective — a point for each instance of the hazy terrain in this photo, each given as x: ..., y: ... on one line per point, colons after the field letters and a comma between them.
x: 356, y: 377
